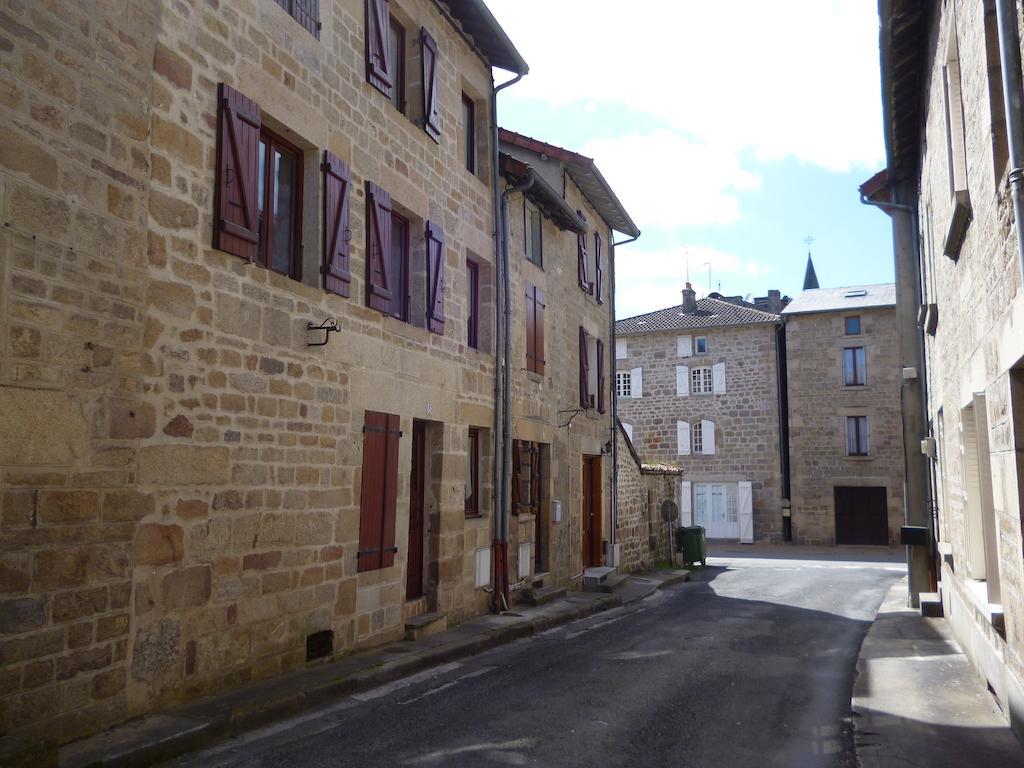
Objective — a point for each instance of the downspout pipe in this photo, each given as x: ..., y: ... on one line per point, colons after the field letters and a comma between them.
x: 1009, y: 58
x: 499, y: 471
x: 501, y: 589
x: 613, y: 432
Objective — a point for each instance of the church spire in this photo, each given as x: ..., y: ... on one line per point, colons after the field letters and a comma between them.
x: 810, y: 277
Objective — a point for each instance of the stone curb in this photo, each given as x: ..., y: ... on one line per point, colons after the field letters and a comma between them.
x: 228, y: 715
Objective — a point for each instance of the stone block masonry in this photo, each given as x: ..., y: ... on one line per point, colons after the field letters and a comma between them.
x: 180, y: 474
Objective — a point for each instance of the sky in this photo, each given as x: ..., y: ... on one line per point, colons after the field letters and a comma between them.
x: 731, y: 132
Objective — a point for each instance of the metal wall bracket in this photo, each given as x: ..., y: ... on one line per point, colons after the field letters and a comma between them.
x: 328, y: 326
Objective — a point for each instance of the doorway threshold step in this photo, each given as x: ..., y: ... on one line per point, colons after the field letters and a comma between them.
x: 612, y: 583
x: 931, y: 605
x: 542, y: 595
x: 594, y: 577
x: 425, y: 625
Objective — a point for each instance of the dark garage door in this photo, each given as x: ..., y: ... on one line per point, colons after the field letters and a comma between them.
x: 861, y: 516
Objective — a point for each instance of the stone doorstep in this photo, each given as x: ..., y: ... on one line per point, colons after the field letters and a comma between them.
x: 163, y: 736
x: 425, y: 625
x: 931, y: 605
x: 543, y: 595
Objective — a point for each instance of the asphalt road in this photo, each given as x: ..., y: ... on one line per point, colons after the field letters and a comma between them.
x: 751, y: 664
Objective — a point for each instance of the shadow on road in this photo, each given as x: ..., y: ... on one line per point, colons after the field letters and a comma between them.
x: 732, y: 550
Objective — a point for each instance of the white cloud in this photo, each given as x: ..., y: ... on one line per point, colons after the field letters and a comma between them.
x: 675, y: 182
x: 650, y: 280
x: 795, y: 79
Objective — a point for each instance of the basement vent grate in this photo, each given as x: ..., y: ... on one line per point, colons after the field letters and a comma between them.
x: 319, y: 644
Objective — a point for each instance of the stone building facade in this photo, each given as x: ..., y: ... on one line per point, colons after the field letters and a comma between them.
x: 196, y: 491
x: 699, y: 387
x: 947, y: 190
x: 562, y: 218
x: 845, y: 432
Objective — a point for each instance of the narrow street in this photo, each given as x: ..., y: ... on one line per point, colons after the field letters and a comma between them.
x: 749, y: 664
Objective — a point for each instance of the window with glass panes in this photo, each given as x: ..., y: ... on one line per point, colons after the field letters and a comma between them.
x: 399, y: 267
x: 624, y: 384
x: 533, y: 241
x: 473, y: 473
x: 857, y: 435
x: 701, y: 380
x: 697, y: 437
x: 396, y: 54
x: 854, y: 371
x: 279, y: 195
x: 469, y: 133
x: 853, y: 325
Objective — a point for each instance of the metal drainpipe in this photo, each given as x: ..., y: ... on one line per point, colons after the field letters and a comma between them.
x: 1009, y: 57
x: 615, y: 392
x: 506, y: 405
x: 499, y: 472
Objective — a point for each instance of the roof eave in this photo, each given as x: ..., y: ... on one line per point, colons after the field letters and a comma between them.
x: 542, y: 194
x: 611, y: 208
x: 477, y: 21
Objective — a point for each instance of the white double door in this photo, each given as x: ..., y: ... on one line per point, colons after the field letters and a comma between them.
x: 724, y: 509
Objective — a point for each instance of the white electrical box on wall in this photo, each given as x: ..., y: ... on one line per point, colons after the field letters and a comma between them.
x: 525, y: 559
x: 483, y: 567
x: 556, y: 511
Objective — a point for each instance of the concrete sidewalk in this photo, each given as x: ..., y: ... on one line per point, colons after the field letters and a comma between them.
x: 917, y: 700
x: 161, y: 736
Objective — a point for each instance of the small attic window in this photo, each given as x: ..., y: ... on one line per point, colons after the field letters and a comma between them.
x: 855, y: 294
x: 641, y: 322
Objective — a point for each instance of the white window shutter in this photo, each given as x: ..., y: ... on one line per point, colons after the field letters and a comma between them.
x: 684, y: 346
x: 707, y: 433
x: 628, y: 429
x: 718, y: 378
x: 683, y: 437
x: 682, y: 380
x: 636, y: 382
x: 685, y: 503
x: 620, y: 349
x: 745, y: 511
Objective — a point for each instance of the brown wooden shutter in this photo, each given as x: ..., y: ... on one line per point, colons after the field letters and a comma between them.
x: 584, y: 370
x: 600, y: 376
x: 379, y: 493
x: 581, y: 258
x: 538, y: 329
x: 307, y: 13
x: 337, y: 235
x: 435, y: 277
x: 236, y: 227
x: 379, y: 291
x: 378, y: 64
x: 599, y: 269
x: 535, y: 478
x: 431, y: 96
x: 516, y: 470
x: 531, y: 330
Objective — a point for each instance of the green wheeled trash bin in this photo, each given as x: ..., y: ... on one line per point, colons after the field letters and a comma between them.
x: 690, y: 541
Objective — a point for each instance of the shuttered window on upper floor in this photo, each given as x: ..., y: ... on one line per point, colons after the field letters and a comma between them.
x: 534, y: 329
x: 306, y: 12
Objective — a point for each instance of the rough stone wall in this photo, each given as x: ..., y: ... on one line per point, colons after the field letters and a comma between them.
x: 746, y: 417
x: 978, y: 346
x: 818, y: 407
x: 181, y: 473
x: 643, y: 534
x: 543, y: 407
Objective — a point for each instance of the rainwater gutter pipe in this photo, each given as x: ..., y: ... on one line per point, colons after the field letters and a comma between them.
x: 614, y: 537
x: 1009, y: 58
x: 499, y: 472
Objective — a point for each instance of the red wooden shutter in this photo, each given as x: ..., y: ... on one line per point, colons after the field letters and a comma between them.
x: 378, y: 64
x: 599, y: 271
x: 431, y: 97
x: 581, y: 258
x: 516, y: 477
x: 379, y: 493
x: 307, y: 13
x: 435, y: 278
x: 379, y: 292
x: 584, y: 370
x: 236, y: 228
x: 531, y: 329
x: 600, y: 376
x: 337, y: 235
x: 538, y: 329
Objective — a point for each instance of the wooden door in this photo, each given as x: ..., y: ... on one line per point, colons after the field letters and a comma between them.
x: 414, y: 567
x: 861, y: 515
x: 592, y: 555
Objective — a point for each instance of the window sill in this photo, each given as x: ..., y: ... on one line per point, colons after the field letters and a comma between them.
x: 855, y: 387
x: 406, y: 330
x: 977, y: 591
x: 848, y: 457
x: 476, y: 516
x: 536, y: 378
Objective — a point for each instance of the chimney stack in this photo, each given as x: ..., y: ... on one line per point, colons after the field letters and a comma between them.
x: 689, y: 298
x: 774, y: 301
